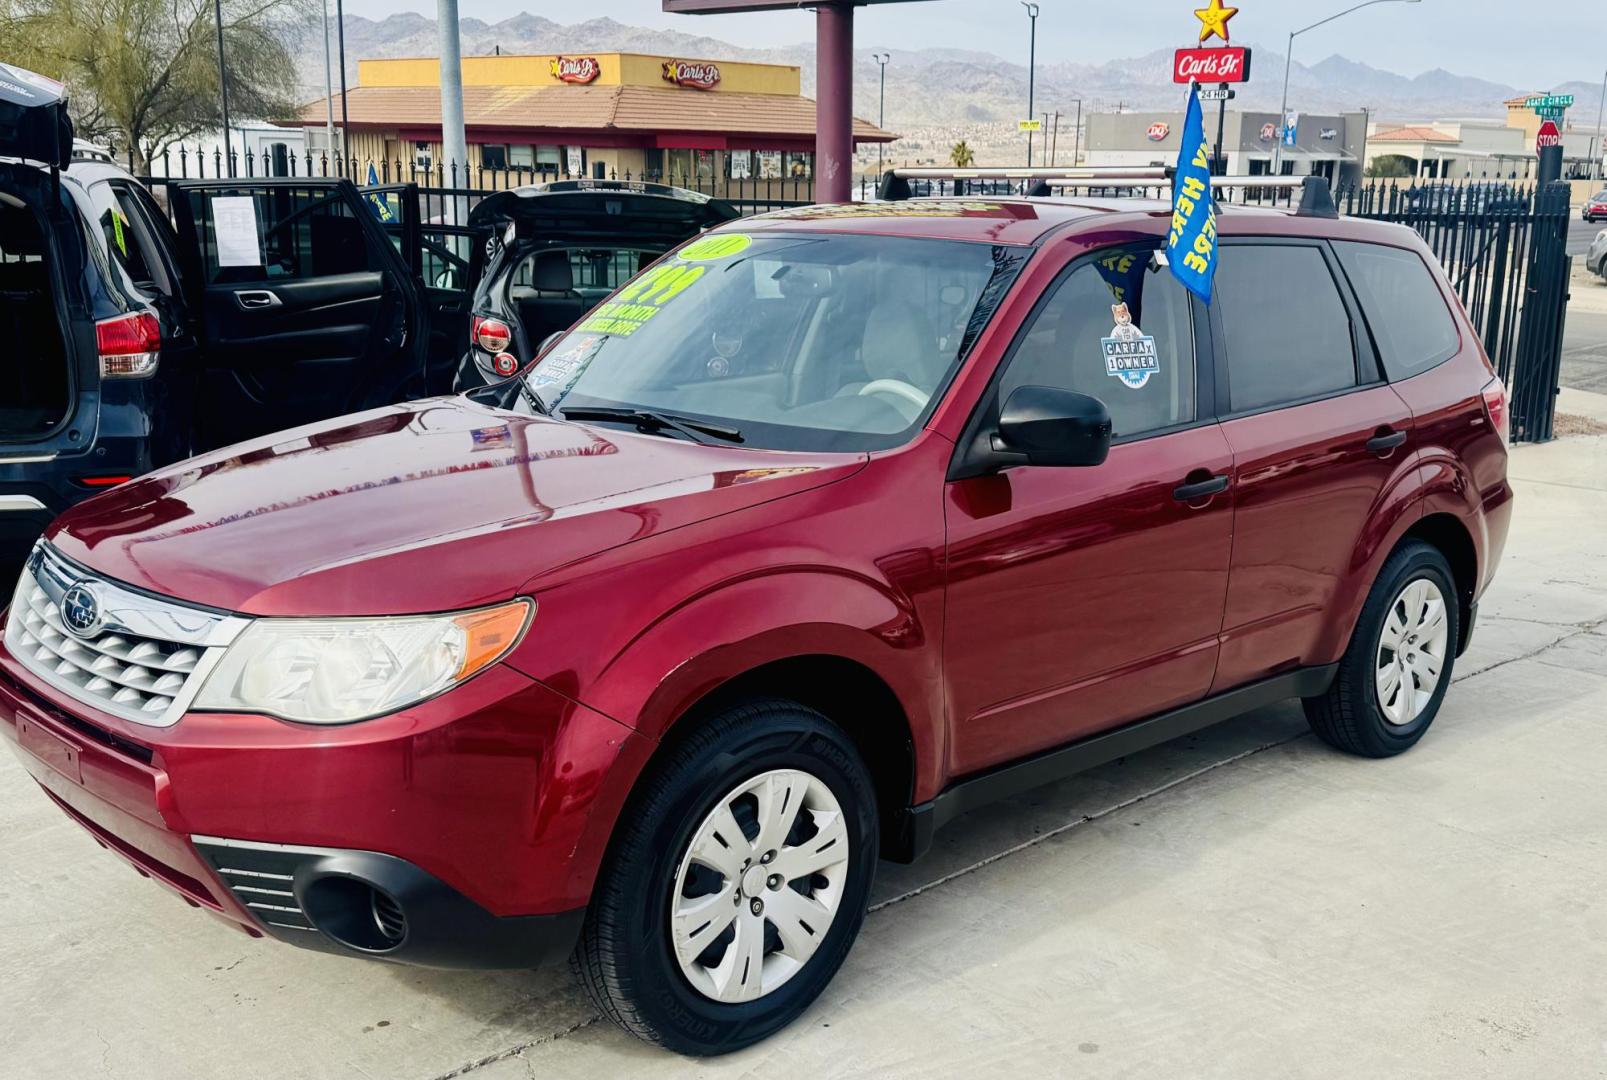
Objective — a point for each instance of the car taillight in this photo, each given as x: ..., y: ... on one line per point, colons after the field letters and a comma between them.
x: 129, y: 346
x: 1495, y: 407
x: 492, y: 335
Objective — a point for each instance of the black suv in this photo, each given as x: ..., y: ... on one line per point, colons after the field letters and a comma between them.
x: 140, y: 333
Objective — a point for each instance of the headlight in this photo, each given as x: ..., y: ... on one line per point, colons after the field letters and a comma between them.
x: 336, y: 671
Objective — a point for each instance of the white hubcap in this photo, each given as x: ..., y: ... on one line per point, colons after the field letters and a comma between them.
x: 1411, y: 651
x: 759, y: 885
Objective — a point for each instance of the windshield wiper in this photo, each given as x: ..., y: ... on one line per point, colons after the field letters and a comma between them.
x: 648, y: 420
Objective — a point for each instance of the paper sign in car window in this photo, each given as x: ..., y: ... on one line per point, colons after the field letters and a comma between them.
x: 234, y: 229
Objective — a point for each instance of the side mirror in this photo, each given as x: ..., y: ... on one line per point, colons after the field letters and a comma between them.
x: 1052, y: 427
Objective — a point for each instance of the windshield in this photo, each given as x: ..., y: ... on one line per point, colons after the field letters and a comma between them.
x: 800, y: 342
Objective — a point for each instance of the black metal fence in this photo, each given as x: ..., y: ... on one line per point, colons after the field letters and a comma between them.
x: 449, y: 183
x: 1503, y: 244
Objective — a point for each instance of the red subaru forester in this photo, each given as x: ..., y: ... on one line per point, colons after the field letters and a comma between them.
x: 832, y: 525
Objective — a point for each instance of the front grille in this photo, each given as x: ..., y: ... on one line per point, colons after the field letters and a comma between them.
x: 142, y: 658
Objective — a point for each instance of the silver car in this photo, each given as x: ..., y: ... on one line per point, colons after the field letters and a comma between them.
x: 1596, y: 259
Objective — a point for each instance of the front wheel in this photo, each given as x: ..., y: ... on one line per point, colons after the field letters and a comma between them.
x: 1397, y: 668
x: 737, y: 882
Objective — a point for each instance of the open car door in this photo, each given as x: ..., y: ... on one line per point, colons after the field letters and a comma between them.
x: 307, y: 309
x: 440, y: 254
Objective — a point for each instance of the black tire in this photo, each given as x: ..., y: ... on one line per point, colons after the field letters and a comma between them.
x: 1348, y: 715
x: 625, y: 958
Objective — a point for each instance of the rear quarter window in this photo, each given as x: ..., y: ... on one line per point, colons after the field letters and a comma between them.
x: 1403, y: 305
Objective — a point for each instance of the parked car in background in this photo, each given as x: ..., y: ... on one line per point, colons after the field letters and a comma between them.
x: 1596, y: 257
x: 1595, y: 208
x: 552, y: 252
x: 139, y: 334
x: 828, y: 527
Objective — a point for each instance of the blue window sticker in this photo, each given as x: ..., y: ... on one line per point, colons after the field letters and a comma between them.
x: 1130, y: 354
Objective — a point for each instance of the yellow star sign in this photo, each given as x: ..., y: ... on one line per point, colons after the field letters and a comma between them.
x: 1214, y: 20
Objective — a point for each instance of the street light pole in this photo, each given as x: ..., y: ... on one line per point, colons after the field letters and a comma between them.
x: 223, y: 86
x: 1288, y: 57
x: 1601, y: 150
x: 1032, y: 68
x: 881, y: 59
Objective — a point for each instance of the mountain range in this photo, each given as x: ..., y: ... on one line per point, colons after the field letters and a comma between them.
x: 937, y: 96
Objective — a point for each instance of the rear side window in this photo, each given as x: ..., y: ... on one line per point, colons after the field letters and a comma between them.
x: 1284, y: 324
x: 1405, y: 310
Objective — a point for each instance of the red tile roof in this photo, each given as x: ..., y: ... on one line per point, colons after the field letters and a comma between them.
x: 617, y: 108
x: 1415, y: 134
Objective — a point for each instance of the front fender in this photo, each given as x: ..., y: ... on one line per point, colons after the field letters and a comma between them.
x: 733, y: 627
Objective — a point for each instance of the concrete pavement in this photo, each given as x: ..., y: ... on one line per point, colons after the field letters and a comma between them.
x: 1243, y: 903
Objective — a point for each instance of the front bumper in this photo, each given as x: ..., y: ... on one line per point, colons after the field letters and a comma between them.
x: 474, y: 822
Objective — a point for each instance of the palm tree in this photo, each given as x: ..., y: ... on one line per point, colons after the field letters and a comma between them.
x: 960, y: 155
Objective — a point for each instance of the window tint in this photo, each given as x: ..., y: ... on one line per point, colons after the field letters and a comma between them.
x: 1285, y: 327
x: 1405, y: 310
x: 594, y: 269
x: 123, y: 241
x: 1137, y: 359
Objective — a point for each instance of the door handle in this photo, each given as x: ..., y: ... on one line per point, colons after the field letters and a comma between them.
x: 1202, y: 489
x: 1385, y: 442
x: 257, y: 299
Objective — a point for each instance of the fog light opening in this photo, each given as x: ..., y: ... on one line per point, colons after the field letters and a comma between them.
x: 355, y: 913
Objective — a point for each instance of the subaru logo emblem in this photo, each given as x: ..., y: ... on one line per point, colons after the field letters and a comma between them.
x: 80, y: 610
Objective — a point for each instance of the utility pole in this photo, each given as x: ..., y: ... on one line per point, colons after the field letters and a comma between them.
x: 345, y: 116
x: 1601, y: 150
x: 454, y: 142
x: 1054, y: 140
x: 329, y: 87
x: 881, y: 59
x: 223, y: 85
x: 1076, y: 153
x: 1032, y: 68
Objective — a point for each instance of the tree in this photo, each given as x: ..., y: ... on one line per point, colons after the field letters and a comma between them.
x: 145, y: 72
x: 1391, y: 165
x: 960, y: 155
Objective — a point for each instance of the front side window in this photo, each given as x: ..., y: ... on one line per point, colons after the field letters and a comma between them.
x: 262, y: 234
x: 1118, y: 328
x: 1404, y: 308
x: 803, y: 342
x: 1284, y: 325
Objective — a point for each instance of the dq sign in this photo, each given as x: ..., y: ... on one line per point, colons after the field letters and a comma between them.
x: 1225, y: 65
x: 1159, y: 130
x: 697, y: 75
x: 575, y: 69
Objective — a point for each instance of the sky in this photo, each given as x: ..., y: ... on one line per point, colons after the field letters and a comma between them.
x: 1490, y: 39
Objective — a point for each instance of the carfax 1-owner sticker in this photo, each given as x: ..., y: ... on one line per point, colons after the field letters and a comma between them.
x: 1129, y: 352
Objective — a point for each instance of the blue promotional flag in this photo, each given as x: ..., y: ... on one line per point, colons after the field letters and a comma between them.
x: 382, y: 209
x: 1191, y: 245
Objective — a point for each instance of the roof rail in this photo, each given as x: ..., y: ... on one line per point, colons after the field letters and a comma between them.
x: 1316, y: 199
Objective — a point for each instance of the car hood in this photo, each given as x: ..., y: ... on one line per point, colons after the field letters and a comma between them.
x: 429, y: 506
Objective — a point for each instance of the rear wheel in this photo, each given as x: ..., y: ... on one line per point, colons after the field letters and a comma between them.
x: 737, y: 883
x: 1397, y: 668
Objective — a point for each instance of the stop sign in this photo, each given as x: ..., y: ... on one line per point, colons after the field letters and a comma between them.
x: 1548, y: 136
